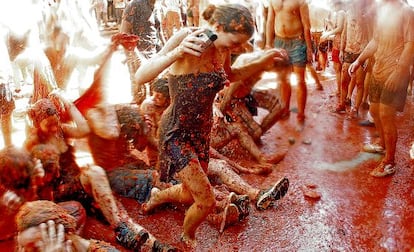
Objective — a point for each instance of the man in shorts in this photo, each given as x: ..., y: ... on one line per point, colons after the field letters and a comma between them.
x: 392, y: 47
x: 288, y: 27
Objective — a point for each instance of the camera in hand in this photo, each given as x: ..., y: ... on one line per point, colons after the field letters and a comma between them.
x: 208, y: 37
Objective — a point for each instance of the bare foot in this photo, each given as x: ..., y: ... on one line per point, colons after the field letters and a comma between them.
x: 148, y: 206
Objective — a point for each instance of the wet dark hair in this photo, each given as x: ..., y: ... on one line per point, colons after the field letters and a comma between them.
x: 235, y: 18
x: 16, y: 168
x: 160, y: 85
x: 41, y: 110
x: 131, y: 122
x: 34, y: 213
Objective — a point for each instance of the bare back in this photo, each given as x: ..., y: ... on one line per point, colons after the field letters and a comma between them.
x: 287, y: 17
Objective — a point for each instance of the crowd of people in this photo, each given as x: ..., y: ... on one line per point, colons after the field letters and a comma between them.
x: 193, y: 66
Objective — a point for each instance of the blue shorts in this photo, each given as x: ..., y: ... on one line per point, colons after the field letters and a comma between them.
x: 296, y: 49
x: 132, y: 183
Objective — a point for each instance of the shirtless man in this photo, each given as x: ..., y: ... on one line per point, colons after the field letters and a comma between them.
x: 354, y: 39
x: 336, y: 22
x: 392, y: 46
x: 288, y: 27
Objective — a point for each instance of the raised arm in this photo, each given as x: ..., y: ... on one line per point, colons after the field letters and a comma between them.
x: 184, y: 41
x: 77, y: 126
x: 264, y: 63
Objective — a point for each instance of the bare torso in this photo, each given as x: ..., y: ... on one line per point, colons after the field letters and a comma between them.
x: 356, y: 30
x: 288, y: 22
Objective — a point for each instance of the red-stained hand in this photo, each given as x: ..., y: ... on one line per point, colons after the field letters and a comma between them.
x: 192, y: 44
x: 11, y: 200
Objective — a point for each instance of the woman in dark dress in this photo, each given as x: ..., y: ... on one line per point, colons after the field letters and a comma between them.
x: 197, y: 70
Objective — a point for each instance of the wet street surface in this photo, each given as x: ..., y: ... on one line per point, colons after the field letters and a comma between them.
x: 333, y: 204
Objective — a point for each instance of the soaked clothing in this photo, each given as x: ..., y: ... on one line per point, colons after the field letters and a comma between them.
x: 391, y: 46
x: 128, y: 175
x: 132, y: 183
x: 140, y: 14
x: 267, y: 99
x: 296, y: 49
x: 241, y: 109
x: 378, y: 94
x: 186, y: 124
x: 391, y: 38
x: 350, y: 57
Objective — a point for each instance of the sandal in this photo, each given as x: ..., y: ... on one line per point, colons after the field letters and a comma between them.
x: 383, y: 170
x: 373, y: 148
